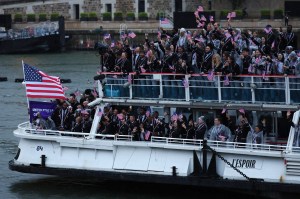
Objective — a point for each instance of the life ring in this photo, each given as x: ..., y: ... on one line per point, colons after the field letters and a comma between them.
x: 19, y: 79
x: 65, y: 80
x: 3, y: 79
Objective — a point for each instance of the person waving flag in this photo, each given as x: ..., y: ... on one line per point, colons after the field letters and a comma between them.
x: 40, y: 85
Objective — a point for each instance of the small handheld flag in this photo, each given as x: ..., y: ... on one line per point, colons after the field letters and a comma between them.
x: 226, y: 81
x: 106, y: 36
x: 131, y: 34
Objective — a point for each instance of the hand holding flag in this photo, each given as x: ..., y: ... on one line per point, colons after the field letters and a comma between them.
x: 200, y: 9
x: 231, y: 15
x: 200, y: 24
x: 203, y: 18
x: 268, y: 29
x: 224, y: 110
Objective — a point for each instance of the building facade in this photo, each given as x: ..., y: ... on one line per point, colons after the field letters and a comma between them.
x: 72, y: 9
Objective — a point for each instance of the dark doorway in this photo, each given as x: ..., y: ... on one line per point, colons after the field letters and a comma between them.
x: 5, y: 21
x: 108, y: 7
x: 141, y: 6
x: 76, y: 8
x: 178, y: 5
x: 292, y: 8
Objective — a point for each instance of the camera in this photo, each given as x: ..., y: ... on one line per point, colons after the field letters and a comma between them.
x: 102, y: 48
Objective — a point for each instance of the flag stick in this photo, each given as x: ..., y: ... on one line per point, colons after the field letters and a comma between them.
x: 28, y: 108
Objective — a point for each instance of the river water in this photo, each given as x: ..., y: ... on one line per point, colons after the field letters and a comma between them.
x: 80, y: 67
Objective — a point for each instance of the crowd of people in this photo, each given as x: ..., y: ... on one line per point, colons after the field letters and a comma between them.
x: 211, y: 49
x: 141, y: 123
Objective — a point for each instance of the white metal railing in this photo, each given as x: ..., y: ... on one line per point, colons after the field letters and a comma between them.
x: 26, y: 127
x: 184, y: 142
x: 249, y: 89
x: 218, y: 144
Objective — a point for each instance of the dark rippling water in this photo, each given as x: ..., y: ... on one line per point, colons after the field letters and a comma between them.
x: 80, y: 67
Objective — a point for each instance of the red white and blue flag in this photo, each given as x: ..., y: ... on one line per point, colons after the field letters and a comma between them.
x: 226, y: 81
x: 77, y: 93
x: 106, y: 36
x: 164, y: 21
x: 40, y: 85
x: 231, y: 15
x: 147, y: 135
x: 185, y: 83
x: 210, y: 75
x: 203, y: 18
x: 131, y: 34
x: 123, y: 35
x: 100, y: 113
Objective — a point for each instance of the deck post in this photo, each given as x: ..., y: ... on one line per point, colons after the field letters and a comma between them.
x: 204, y: 156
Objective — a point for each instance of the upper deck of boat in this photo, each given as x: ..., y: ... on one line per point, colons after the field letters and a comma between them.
x: 269, y: 93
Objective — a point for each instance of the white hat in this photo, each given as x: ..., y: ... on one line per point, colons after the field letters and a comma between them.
x: 182, y: 30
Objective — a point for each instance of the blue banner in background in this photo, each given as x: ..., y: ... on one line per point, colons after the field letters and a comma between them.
x: 45, y: 108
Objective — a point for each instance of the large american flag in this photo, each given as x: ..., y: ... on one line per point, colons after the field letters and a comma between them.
x: 40, y: 85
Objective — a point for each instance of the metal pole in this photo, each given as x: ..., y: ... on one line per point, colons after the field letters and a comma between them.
x: 204, y: 153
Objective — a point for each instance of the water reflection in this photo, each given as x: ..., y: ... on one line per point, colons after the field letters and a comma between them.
x: 55, y: 187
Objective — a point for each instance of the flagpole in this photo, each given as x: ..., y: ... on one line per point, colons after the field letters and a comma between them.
x: 28, y: 108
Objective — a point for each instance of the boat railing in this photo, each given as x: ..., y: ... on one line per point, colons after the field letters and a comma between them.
x: 184, y: 142
x: 218, y: 144
x: 29, y: 128
x: 179, y: 142
x: 239, y: 145
x: 255, y: 89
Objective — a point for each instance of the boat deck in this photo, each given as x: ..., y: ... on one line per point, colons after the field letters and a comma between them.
x: 251, y: 92
x: 26, y: 131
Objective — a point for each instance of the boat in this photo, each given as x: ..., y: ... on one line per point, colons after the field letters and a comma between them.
x: 267, y: 169
x: 42, y: 37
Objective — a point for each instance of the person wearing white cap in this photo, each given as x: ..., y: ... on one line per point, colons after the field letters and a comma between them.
x: 182, y: 41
